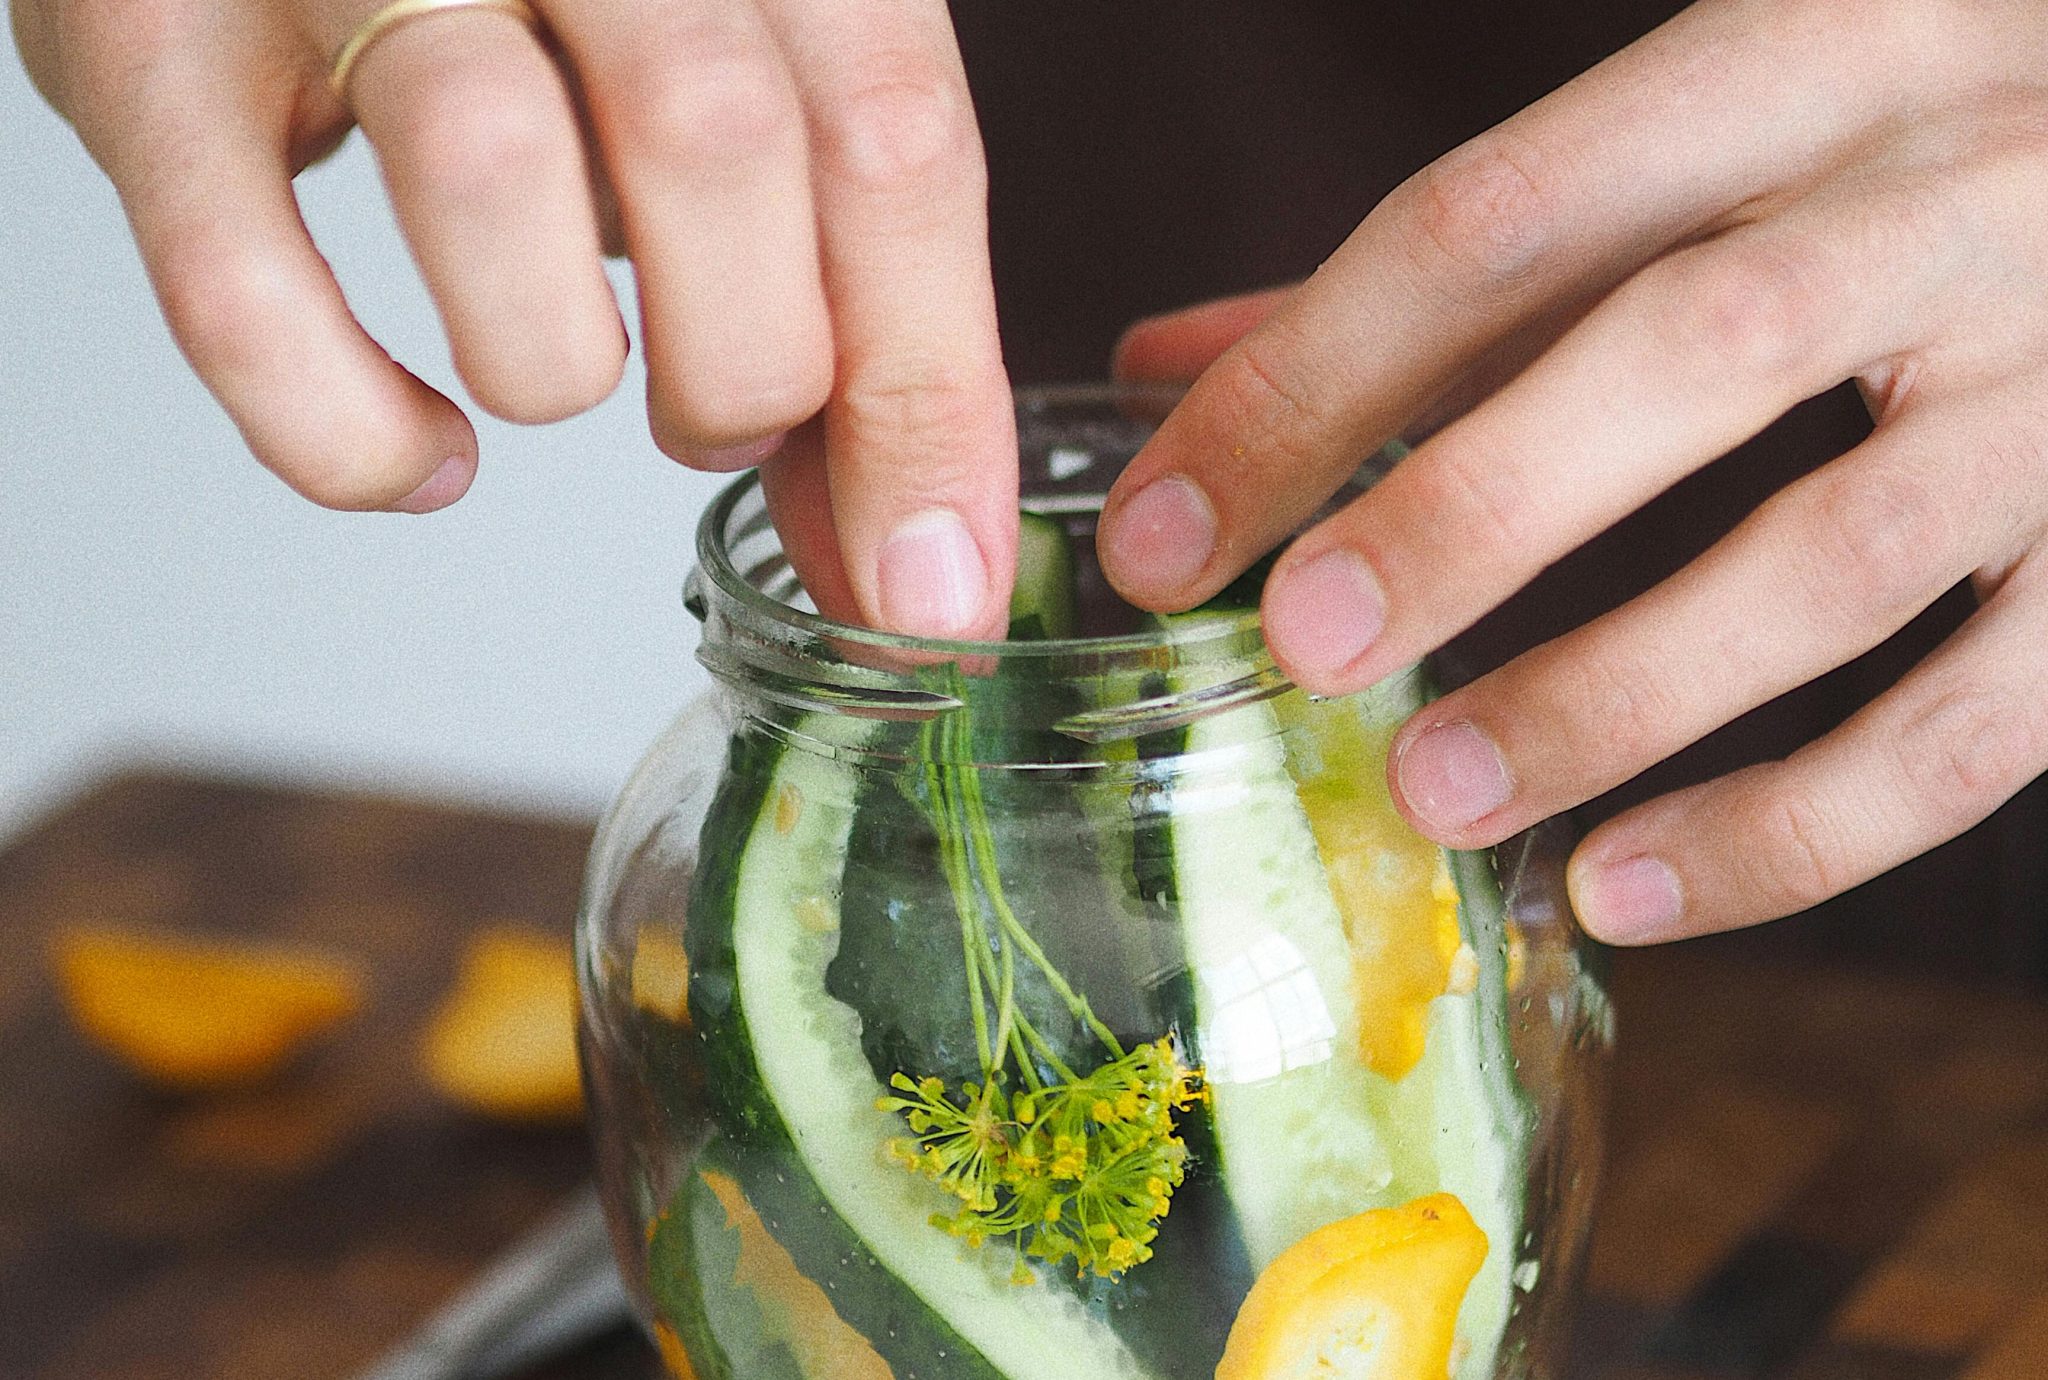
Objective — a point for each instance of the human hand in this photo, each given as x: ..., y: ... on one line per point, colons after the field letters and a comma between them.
x: 799, y: 184
x: 1758, y: 201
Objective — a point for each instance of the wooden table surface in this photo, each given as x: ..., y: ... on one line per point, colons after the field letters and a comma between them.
x: 1816, y: 1174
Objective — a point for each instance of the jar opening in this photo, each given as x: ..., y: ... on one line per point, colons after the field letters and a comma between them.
x: 763, y: 636
x: 1073, y: 441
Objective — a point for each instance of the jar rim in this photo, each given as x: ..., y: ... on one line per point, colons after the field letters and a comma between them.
x: 715, y: 534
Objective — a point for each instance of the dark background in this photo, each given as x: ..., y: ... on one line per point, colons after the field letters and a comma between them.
x: 1146, y: 154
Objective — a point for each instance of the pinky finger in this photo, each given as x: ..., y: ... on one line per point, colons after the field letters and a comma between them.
x: 1960, y: 735
x: 256, y: 310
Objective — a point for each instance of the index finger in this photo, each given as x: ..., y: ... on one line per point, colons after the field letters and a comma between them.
x: 920, y: 436
x: 257, y: 312
x: 1652, y: 148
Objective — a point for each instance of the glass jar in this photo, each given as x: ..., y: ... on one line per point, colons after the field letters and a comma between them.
x: 1071, y: 1006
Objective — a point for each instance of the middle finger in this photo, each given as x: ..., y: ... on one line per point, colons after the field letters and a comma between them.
x: 920, y: 434
x: 702, y: 132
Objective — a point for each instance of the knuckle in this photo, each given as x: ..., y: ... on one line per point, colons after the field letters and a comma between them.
x: 65, y: 48
x: 1485, y: 208
x: 1477, y: 505
x: 2018, y: 456
x: 1633, y: 716
x: 705, y: 104
x: 1260, y: 388
x: 217, y: 302
x: 1255, y: 394
x: 1968, y: 751
x: 1880, y: 538
x: 923, y: 408
x: 903, y: 126
x: 1794, y: 861
x: 1747, y: 307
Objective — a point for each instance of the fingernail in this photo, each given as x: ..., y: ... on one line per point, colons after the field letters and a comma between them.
x: 1323, y: 614
x: 1452, y: 776
x: 450, y: 482
x: 1634, y: 901
x: 724, y: 459
x: 1162, y: 538
x: 933, y: 579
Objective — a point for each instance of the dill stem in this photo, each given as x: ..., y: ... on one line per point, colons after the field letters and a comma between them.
x: 1046, y: 1051
x: 1006, y: 1001
x: 984, y: 850
x: 961, y: 884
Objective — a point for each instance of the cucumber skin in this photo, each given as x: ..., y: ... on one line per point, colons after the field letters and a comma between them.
x: 676, y: 1260
x: 752, y: 1137
x: 1042, y: 602
x: 672, y: 1281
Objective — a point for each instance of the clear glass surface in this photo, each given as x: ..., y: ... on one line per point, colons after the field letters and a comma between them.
x: 1124, y: 915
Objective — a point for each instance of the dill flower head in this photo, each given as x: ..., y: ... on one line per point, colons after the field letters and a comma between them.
x: 1080, y: 1170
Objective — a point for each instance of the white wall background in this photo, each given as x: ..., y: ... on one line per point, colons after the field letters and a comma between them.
x: 162, y: 598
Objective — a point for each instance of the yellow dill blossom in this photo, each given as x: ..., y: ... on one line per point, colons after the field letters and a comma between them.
x: 1086, y: 1177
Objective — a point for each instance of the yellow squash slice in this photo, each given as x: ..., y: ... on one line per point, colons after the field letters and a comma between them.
x: 1399, y: 904
x: 797, y: 1309
x: 672, y: 1354
x: 504, y: 1041
x: 1373, y: 1297
x: 192, y: 1014
x: 661, y: 976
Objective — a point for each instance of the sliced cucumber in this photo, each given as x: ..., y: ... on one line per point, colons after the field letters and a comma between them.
x: 693, y: 1260
x: 1042, y: 600
x: 1269, y: 946
x: 676, y: 1278
x: 722, y: 1281
x: 1274, y: 1015
x: 809, y: 1143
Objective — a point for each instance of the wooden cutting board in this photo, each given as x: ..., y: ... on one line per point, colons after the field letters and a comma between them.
x: 1817, y: 1174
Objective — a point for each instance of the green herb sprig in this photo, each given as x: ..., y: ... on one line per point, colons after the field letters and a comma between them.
x: 1077, y: 1167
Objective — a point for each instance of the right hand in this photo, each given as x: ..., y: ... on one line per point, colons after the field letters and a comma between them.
x: 799, y: 184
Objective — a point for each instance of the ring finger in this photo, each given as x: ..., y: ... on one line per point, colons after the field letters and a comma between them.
x: 1926, y: 760
x: 478, y: 142
x: 1827, y: 569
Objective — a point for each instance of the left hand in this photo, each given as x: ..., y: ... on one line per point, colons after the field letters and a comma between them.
x: 1754, y: 203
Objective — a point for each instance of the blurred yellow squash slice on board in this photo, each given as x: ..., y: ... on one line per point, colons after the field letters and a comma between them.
x: 191, y: 1014
x: 504, y: 1041
x: 1373, y: 1297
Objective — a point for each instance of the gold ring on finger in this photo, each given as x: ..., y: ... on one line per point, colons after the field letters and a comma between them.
x: 384, y: 20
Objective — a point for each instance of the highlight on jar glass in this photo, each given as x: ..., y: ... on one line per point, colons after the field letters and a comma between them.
x: 1075, y: 1005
